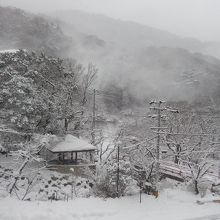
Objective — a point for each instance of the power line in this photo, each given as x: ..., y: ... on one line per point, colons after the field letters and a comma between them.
x: 184, y: 134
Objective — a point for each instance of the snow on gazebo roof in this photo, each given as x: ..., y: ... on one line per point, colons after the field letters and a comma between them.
x: 71, y: 144
x: 9, y: 51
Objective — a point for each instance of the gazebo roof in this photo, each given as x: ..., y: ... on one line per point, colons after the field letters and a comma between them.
x: 72, y: 144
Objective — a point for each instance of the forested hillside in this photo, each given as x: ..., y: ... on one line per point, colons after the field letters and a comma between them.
x: 131, y: 57
x: 130, y: 35
x: 148, y: 61
x: 97, y: 108
x: 22, y: 30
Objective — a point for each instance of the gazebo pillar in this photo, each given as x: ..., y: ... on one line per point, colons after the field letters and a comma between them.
x: 59, y: 157
x: 76, y: 156
x: 90, y: 157
x: 63, y: 157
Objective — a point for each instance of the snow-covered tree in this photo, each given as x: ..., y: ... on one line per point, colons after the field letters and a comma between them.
x: 22, y: 178
x: 40, y: 93
x: 189, y: 139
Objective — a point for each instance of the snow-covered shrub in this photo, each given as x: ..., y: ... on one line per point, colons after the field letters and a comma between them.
x: 44, y: 94
x: 204, y: 186
x: 201, y: 187
x: 5, y: 180
x: 57, y: 186
x: 215, y: 188
x: 2, y: 149
x: 45, y: 185
x: 106, y: 179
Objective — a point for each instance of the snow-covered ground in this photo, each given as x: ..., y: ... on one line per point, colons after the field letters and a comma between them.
x: 9, y: 51
x: 171, y: 205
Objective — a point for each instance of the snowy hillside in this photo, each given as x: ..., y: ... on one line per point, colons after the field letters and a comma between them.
x: 104, y: 119
x: 129, y: 54
x: 20, y: 29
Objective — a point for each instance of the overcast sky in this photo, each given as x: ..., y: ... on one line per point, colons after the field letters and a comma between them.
x: 190, y: 18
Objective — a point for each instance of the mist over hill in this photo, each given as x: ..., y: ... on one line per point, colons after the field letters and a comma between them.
x: 139, y: 60
x: 103, y: 110
x: 20, y: 29
x: 144, y: 60
x: 130, y: 35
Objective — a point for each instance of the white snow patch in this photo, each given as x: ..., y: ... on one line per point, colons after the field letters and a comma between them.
x: 171, y: 205
x: 9, y: 51
x: 72, y: 143
x: 2, y: 149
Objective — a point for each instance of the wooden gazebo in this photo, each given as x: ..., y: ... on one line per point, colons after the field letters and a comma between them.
x: 72, y: 151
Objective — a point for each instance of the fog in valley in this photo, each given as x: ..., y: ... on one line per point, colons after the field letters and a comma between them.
x: 102, y: 99
x: 148, y: 48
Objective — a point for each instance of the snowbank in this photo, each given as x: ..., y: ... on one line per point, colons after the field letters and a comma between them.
x: 171, y: 205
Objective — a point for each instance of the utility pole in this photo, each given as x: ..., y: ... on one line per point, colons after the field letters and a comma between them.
x: 118, y: 170
x: 157, y: 107
x: 158, y: 142
x: 93, y: 116
x: 72, y: 170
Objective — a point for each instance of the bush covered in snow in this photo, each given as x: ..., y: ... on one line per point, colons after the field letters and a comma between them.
x: 107, y: 177
x: 63, y: 187
x: 45, y: 185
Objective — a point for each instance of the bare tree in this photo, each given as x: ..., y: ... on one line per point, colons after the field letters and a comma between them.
x: 87, y: 80
x: 189, y: 139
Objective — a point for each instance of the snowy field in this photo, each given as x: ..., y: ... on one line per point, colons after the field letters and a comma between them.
x: 171, y: 205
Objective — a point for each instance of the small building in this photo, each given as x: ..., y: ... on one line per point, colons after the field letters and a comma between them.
x: 72, y: 151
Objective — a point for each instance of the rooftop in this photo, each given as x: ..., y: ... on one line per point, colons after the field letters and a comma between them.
x: 72, y: 144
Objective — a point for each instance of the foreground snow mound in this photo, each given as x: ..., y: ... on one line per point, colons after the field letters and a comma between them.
x: 171, y: 205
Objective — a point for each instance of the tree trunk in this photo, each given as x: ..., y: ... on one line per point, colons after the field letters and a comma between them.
x: 18, y: 174
x: 176, y: 159
x: 66, y: 124
x: 178, y: 150
x: 196, y: 187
